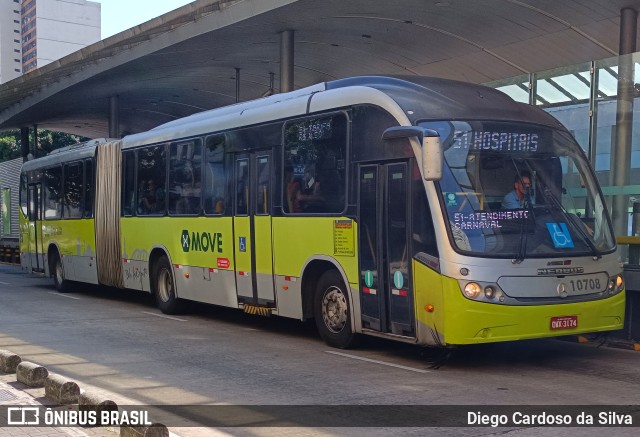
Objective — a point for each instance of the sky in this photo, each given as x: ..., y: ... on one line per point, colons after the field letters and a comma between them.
x: 119, y: 15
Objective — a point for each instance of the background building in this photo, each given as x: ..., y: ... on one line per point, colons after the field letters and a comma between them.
x: 10, y: 40
x: 34, y: 33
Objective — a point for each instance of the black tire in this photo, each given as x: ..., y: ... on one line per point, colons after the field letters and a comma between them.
x: 332, y: 311
x: 57, y: 272
x: 164, y: 287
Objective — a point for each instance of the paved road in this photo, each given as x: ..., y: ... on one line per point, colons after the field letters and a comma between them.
x: 118, y: 342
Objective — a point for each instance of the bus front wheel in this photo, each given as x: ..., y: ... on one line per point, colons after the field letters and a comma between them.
x: 332, y: 312
x: 164, y: 287
x: 57, y: 271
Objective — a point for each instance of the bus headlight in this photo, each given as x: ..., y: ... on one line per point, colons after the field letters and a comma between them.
x: 489, y: 292
x: 619, y: 283
x: 472, y: 290
x: 616, y: 284
x: 480, y: 291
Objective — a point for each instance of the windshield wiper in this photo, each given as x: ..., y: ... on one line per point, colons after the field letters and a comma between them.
x: 524, y: 234
x: 579, y: 226
x: 524, y: 228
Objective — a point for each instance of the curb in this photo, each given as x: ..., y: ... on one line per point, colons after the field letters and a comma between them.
x: 8, y: 361
x: 64, y: 392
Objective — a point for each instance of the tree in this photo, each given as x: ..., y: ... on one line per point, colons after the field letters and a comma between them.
x: 47, y: 141
x: 9, y: 145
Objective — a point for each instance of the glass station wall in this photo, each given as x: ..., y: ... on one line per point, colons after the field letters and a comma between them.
x: 585, y: 99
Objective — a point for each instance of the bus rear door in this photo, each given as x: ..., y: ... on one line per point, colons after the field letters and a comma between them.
x: 252, y: 228
x: 386, y: 291
x: 36, y: 258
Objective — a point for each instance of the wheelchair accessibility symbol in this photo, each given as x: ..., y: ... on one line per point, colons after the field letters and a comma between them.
x: 560, y: 235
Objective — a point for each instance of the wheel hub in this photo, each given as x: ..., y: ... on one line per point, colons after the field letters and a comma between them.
x: 165, y: 286
x: 59, y: 274
x: 334, y: 309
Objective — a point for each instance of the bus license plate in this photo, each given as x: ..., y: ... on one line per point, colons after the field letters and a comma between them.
x: 564, y: 322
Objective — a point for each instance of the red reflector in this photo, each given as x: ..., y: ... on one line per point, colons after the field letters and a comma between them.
x: 403, y: 293
x: 177, y: 266
x: 287, y: 278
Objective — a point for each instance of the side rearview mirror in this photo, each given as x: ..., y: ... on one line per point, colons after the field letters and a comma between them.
x: 432, y: 158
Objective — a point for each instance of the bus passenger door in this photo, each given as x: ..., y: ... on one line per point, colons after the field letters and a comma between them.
x: 252, y: 228
x: 386, y: 291
x: 35, y: 227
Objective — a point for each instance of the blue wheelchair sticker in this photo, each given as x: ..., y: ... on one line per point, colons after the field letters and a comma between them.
x: 243, y: 244
x: 560, y: 235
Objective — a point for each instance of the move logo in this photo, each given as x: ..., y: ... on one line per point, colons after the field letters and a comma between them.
x: 201, y: 241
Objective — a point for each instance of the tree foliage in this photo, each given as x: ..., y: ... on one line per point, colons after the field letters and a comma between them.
x: 47, y: 141
x: 9, y: 145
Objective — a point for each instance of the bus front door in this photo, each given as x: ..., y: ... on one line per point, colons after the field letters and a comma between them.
x: 252, y: 229
x: 386, y: 291
x: 36, y: 258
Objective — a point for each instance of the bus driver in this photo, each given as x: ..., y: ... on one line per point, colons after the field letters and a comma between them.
x: 519, y: 197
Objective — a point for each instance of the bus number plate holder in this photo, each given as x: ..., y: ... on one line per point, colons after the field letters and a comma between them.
x: 564, y: 322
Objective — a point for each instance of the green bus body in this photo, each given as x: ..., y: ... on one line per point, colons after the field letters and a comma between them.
x: 294, y: 205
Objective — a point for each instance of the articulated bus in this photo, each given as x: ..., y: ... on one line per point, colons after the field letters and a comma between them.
x: 373, y: 205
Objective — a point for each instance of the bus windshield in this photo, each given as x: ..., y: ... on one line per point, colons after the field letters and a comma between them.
x: 513, y: 190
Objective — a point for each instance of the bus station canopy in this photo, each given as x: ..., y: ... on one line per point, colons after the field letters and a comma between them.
x: 188, y: 60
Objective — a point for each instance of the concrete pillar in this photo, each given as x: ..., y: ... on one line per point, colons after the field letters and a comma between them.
x: 286, y: 60
x: 114, y: 117
x: 35, y: 140
x: 621, y: 150
x: 237, y: 85
x: 24, y: 143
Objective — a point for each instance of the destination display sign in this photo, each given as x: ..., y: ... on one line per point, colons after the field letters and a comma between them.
x: 496, y: 141
x: 486, y: 220
x: 317, y: 129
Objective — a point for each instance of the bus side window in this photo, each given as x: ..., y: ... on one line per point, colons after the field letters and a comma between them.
x: 152, y: 180
x: 53, y: 193
x: 315, y: 152
x: 128, y: 183
x: 73, y: 190
x: 185, y: 165
x: 214, y: 192
x: 89, y: 185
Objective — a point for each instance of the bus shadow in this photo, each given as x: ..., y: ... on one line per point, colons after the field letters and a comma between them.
x: 234, y: 316
x: 107, y: 293
x: 272, y: 324
x: 541, y: 352
x: 549, y: 352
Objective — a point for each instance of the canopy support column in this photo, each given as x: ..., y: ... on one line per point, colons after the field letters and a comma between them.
x: 114, y: 117
x: 621, y: 150
x: 286, y: 60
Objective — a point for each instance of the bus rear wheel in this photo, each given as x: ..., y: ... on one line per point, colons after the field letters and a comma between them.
x: 57, y: 271
x: 164, y: 287
x: 332, y: 311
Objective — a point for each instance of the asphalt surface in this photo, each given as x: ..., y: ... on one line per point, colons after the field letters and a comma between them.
x: 117, y: 342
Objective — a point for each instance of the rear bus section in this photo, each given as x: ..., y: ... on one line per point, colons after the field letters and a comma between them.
x: 57, y: 232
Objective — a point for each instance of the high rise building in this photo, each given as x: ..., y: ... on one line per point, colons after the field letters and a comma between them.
x: 10, y: 40
x: 34, y: 33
